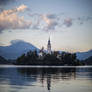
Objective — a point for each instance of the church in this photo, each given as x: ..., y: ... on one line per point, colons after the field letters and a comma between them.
x: 49, y: 46
x: 48, y: 51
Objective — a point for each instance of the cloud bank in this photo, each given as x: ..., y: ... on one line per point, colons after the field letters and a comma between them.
x: 68, y: 22
x: 10, y: 20
x: 50, y: 21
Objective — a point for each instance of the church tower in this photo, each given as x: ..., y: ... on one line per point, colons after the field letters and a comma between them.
x: 49, y: 47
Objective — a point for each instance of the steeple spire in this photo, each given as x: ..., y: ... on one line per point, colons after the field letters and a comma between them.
x: 49, y: 38
x: 49, y: 46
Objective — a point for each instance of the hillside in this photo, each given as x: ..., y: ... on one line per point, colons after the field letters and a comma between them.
x: 3, y: 60
x: 16, y: 49
x: 88, y: 61
x: 84, y: 55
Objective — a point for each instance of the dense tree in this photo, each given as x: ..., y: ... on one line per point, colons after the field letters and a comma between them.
x: 56, y: 58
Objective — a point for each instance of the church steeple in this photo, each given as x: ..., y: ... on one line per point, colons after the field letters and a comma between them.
x: 49, y: 46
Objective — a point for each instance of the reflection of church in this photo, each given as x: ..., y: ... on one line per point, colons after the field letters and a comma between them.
x: 49, y: 83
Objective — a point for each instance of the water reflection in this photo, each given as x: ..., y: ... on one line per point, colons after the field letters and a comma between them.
x: 49, y: 74
x: 21, y: 78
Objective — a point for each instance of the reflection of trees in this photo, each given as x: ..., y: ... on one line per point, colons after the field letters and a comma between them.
x: 84, y: 72
x: 28, y: 76
x: 10, y: 76
x: 49, y: 74
x: 68, y: 73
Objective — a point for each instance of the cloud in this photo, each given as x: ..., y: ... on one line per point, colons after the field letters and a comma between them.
x: 68, y: 22
x: 83, y: 19
x: 36, y: 26
x: 51, y: 16
x: 50, y: 21
x: 10, y: 20
x: 21, y: 8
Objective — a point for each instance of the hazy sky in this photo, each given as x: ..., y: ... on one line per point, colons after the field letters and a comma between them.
x: 67, y: 22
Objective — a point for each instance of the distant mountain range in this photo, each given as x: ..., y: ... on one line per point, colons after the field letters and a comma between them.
x: 16, y: 49
x: 84, y: 55
x: 88, y: 61
x: 3, y: 60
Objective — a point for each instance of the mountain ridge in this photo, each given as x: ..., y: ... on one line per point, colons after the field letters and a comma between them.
x: 84, y: 55
x: 19, y: 47
x: 16, y: 49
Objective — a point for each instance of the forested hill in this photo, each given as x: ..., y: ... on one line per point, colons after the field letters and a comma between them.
x: 88, y: 61
x: 16, y: 49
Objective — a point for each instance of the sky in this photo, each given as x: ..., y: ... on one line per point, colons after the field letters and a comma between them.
x: 68, y: 23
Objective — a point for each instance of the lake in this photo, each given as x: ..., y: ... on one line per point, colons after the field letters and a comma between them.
x: 45, y: 79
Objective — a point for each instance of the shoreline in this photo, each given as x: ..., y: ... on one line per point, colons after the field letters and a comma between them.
x: 43, y: 66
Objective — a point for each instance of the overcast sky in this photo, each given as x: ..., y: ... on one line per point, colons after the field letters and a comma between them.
x: 67, y: 22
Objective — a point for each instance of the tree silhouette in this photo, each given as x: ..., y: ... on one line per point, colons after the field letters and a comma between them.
x: 56, y: 58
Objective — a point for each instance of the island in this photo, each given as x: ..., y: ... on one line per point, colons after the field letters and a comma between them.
x: 55, y: 58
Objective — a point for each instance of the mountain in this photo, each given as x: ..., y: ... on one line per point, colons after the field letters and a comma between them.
x: 16, y: 49
x: 84, y: 55
x: 3, y: 61
x: 88, y: 61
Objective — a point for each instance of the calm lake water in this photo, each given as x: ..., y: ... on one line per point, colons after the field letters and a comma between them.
x: 40, y: 79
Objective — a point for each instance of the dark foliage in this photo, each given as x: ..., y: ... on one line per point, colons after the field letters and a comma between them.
x: 32, y: 58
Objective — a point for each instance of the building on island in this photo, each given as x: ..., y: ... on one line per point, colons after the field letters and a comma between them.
x: 49, y: 46
x: 42, y: 51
